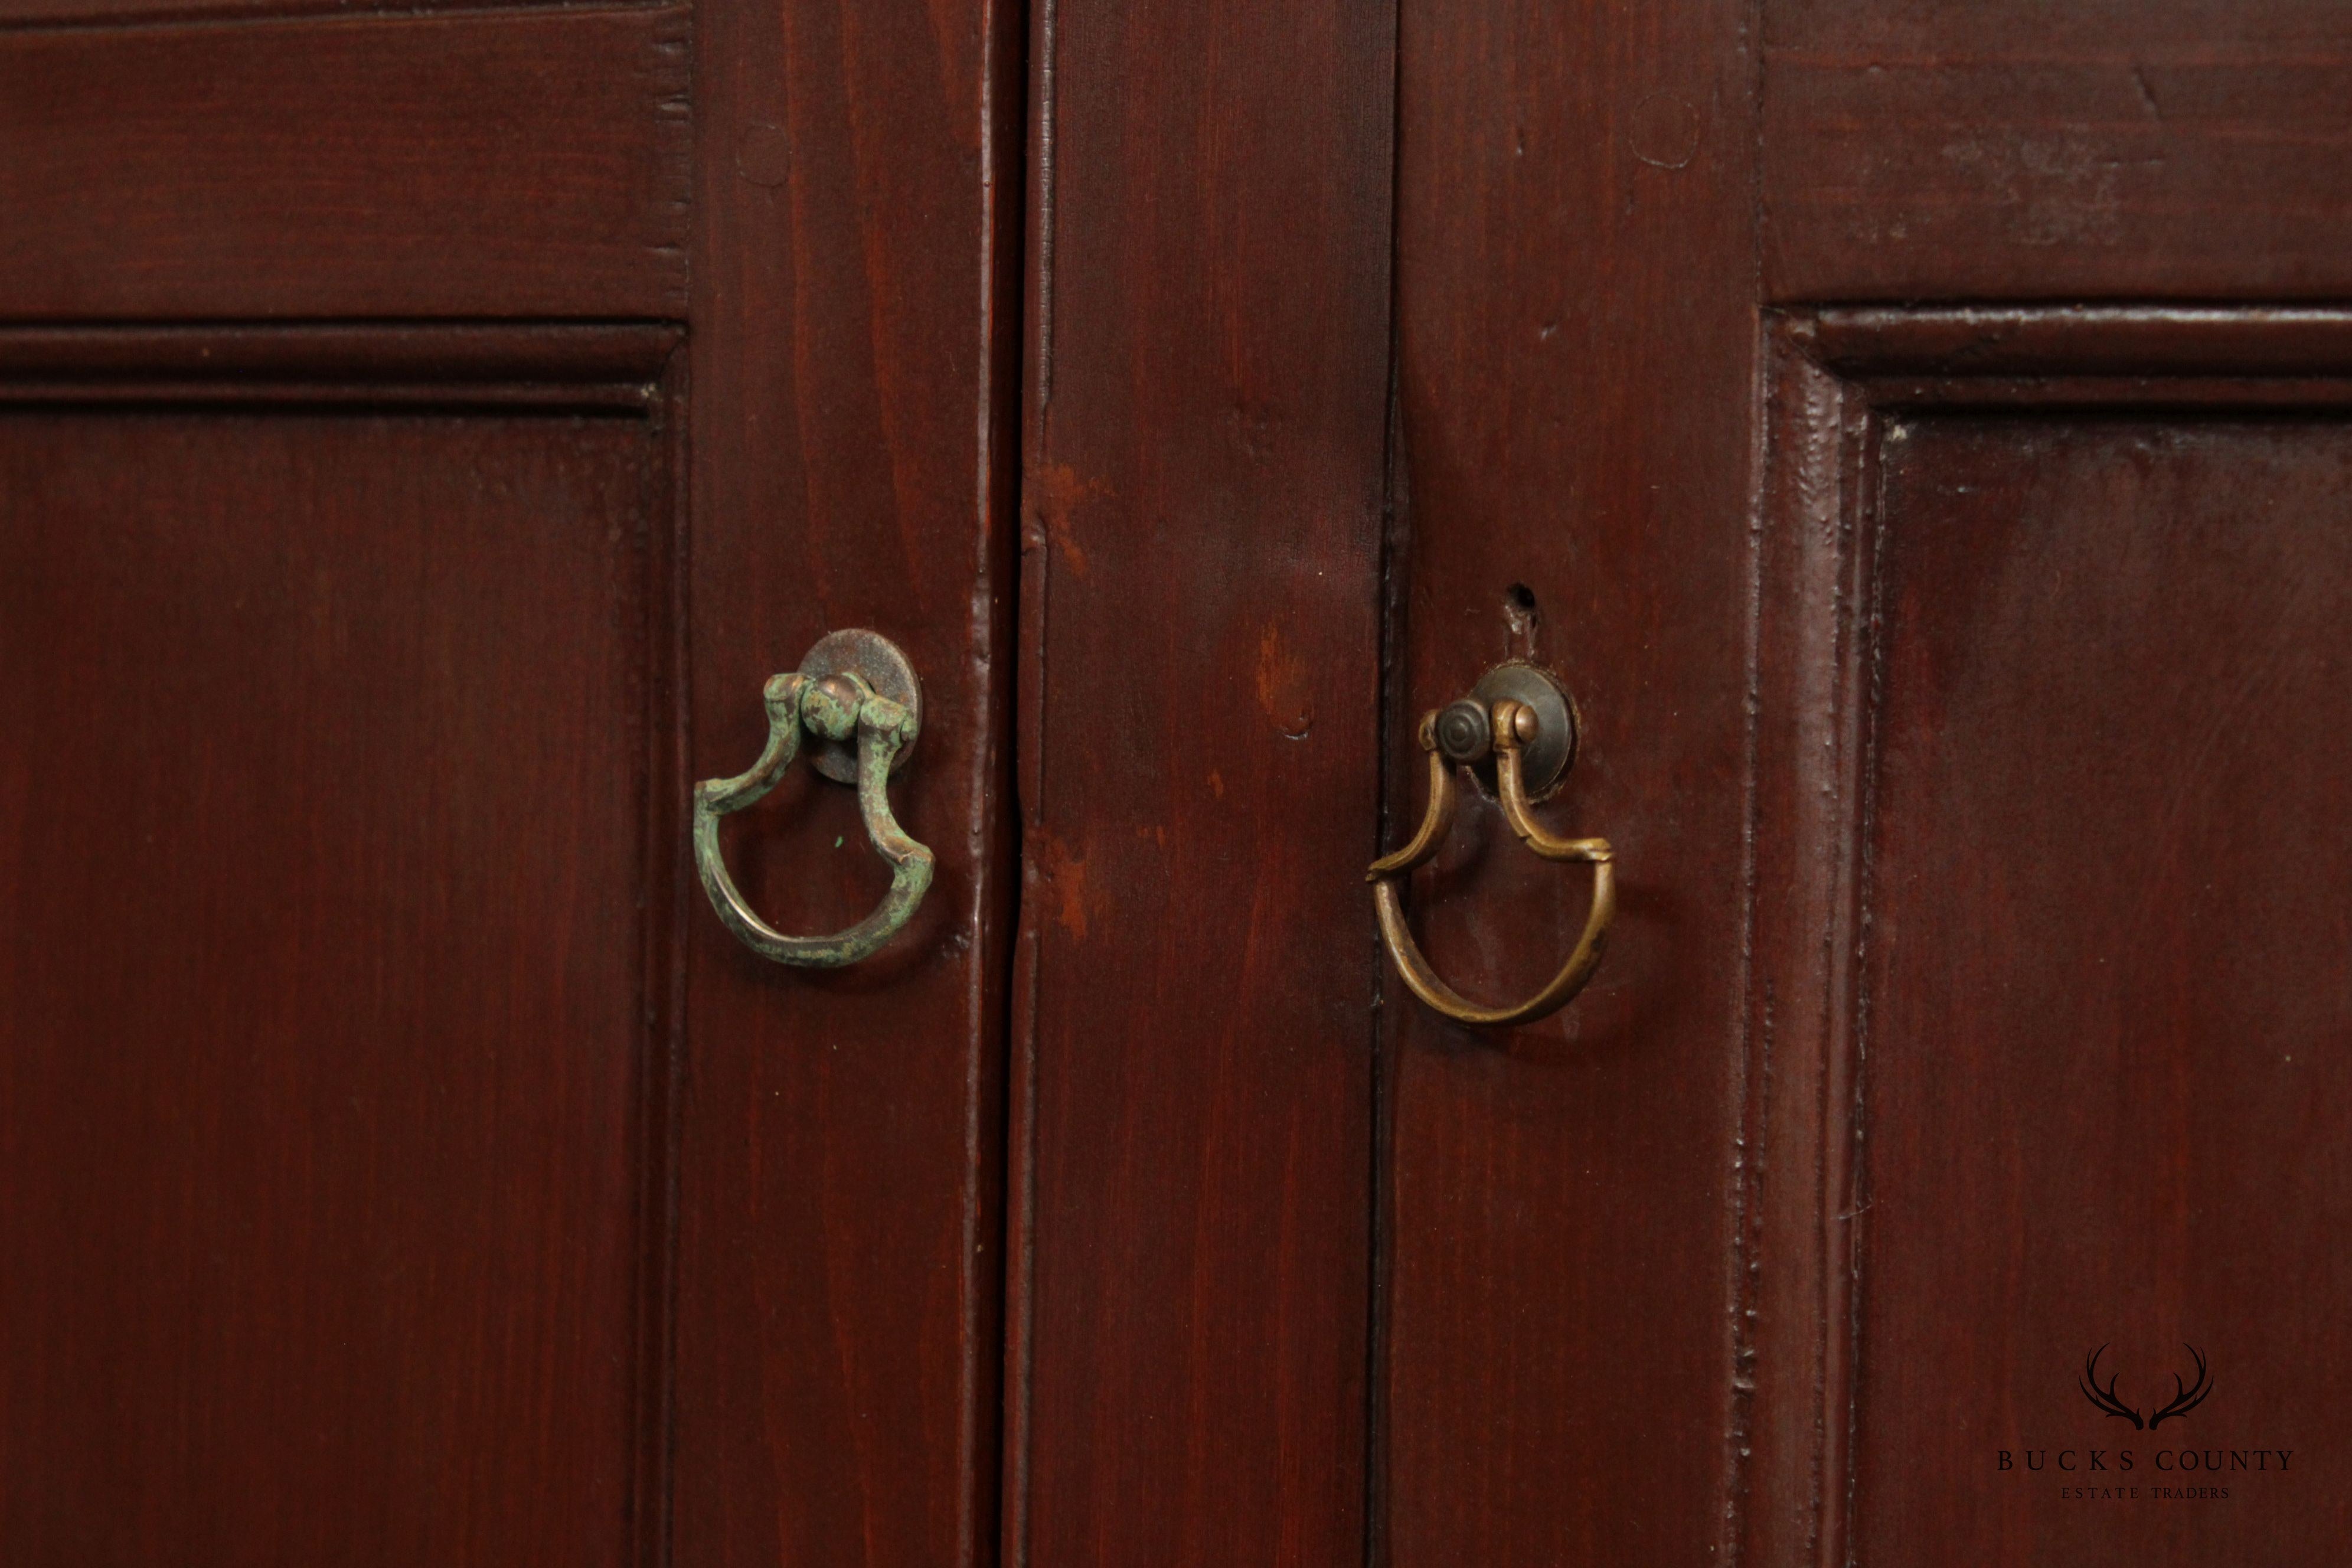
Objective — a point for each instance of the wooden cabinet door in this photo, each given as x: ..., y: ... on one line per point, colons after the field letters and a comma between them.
x: 423, y: 429
x: 1913, y: 435
x: 1916, y: 434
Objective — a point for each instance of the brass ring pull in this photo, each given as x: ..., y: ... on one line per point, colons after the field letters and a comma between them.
x: 1512, y: 726
x: 832, y: 698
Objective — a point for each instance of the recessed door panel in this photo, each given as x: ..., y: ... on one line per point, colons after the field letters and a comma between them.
x: 323, y: 850
x: 2106, y: 1046
x: 2055, y: 1051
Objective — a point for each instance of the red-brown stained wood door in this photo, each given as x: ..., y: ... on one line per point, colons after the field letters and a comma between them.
x: 1916, y: 436
x: 423, y: 429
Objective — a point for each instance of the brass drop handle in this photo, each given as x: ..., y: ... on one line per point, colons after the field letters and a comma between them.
x: 1509, y: 728
x: 855, y: 698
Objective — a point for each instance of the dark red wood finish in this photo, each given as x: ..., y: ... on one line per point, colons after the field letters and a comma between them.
x: 2049, y: 966
x: 1575, y: 379
x: 329, y: 800
x: 1636, y: 1307
x: 841, y: 1265
x: 2099, y: 150
x: 397, y: 1162
x: 1208, y: 330
x: 529, y: 163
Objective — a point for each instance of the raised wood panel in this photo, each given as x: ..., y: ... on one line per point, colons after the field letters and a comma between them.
x: 331, y: 1103
x: 2025, y: 151
x: 525, y: 164
x: 2051, y: 965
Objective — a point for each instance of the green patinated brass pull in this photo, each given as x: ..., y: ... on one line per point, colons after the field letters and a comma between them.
x: 856, y: 698
x: 1530, y: 731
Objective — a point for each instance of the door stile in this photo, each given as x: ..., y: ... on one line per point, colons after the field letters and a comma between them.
x: 667, y: 891
x: 1203, y: 507
x: 854, y: 453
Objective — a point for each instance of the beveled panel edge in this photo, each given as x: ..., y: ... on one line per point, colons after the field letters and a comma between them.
x: 97, y: 16
x: 2141, y: 341
x: 598, y: 365
x: 1808, y: 706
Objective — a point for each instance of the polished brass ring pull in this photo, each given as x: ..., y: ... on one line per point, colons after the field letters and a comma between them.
x: 855, y: 698
x: 1510, y: 730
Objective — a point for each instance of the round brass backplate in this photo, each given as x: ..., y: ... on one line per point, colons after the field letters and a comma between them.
x: 1544, y: 761
x: 877, y: 661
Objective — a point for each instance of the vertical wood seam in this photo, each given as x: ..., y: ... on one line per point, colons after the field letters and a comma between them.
x: 1751, y: 1034
x: 1388, y: 694
x: 1870, y: 660
x: 662, y: 1092
x: 995, y: 835
x: 1032, y: 567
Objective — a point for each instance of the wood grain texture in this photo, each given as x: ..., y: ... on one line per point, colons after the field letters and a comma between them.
x: 1575, y: 333
x: 840, y: 1276
x: 530, y: 164
x: 25, y: 16
x: 2051, y: 954
x: 2091, y: 152
x: 1209, y: 331
x: 325, y: 842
